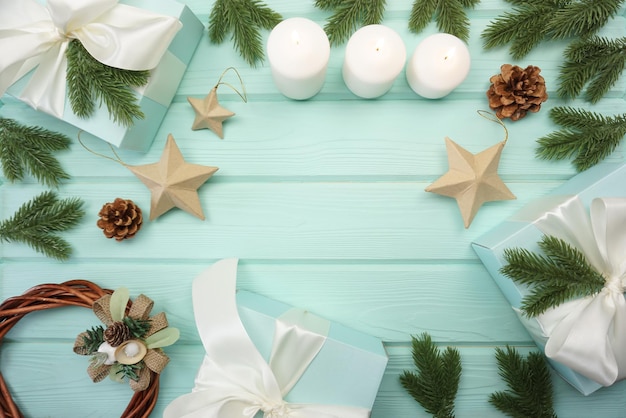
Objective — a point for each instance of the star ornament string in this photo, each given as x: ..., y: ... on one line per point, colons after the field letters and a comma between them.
x: 209, y: 113
x: 472, y: 179
x: 172, y: 181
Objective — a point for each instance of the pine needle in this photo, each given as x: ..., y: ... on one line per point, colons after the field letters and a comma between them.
x: 244, y: 19
x: 37, y: 221
x: 90, y: 82
x: 587, y: 136
x: 436, y: 382
x: 530, y: 393
x: 349, y: 15
x: 449, y: 14
x: 562, y: 274
x: 29, y: 149
x: 597, y: 61
x: 583, y: 18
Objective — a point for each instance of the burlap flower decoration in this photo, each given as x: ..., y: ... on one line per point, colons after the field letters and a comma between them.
x: 130, y: 345
x: 516, y: 91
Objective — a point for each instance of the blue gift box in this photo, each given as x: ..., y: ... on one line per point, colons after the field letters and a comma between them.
x: 154, y: 98
x: 604, y: 180
x: 347, y: 370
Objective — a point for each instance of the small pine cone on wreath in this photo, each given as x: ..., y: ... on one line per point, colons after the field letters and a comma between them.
x: 117, y: 333
x: 120, y: 219
x: 516, y: 91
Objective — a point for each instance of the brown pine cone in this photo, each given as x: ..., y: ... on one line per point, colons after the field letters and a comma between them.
x: 117, y: 333
x: 516, y: 91
x: 120, y: 220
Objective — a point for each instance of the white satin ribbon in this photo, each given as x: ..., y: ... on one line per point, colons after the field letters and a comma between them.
x: 33, y: 35
x: 234, y: 380
x: 589, y: 334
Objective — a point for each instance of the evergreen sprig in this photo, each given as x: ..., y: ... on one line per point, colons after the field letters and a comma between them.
x: 93, y: 338
x: 129, y: 370
x: 244, y: 19
x: 562, y: 274
x: 138, y: 327
x: 348, y: 15
x: 449, y: 14
x: 587, y: 136
x: 89, y: 81
x: 29, y: 148
x: 597, y: 61
x: 530, y: 387
x: 436, y: 382
x: 37, y: 221
x: 532, y: 21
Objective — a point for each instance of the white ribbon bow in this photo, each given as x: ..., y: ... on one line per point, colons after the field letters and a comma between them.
x: 234, y: 380
x: 33, y: 35
x: 589, y: 334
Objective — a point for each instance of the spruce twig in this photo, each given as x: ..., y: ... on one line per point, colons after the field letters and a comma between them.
x: 532, y: 21
x: 348, y: 15
x: 93, y: 338
x: 530, y: 388
x: 26, y: 148
x: 436, y: 382
x: 89, y: 81
x: 36, y: 222
x: 449, y: 14
x: 597, y: 61
x: 244, y: 19
x: 562, y: 274
x: 587, y: 136
x: 138, y: 327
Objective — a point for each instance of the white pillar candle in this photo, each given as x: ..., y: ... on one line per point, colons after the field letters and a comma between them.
x: 375, y: 55
x: 439, y: 64
x: 298, y: 51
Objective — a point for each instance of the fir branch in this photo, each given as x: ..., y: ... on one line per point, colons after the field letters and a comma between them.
x: 533, y: 21
x: 138, y: 327
x: 89, y: 81
x: 561, y: 275
x: 27, y: 148
x: 597, y: 61
x: 436, y: 382
x: 530, y: 387
x: 130, y: 370
x: 244, y: 18
x: 36, y: 222
x: 348, y: 15
x: 587, y: 136
x: 93, y: 338
x: 449, y: 15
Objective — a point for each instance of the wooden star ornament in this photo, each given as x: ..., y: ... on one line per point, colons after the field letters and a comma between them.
x: 209, y: 113
x: 173, y: 182
x: 472, y: 179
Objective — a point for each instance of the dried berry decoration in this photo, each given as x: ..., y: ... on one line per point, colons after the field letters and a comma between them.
x: 516, y: 91
x: 120, y: 219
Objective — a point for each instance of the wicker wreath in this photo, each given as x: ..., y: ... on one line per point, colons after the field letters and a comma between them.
x: 48, y: 296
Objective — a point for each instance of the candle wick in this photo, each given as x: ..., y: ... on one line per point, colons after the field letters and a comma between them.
x: 445, y: 58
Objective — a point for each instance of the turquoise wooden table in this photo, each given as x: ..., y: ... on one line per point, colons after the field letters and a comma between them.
x: 323, y: 201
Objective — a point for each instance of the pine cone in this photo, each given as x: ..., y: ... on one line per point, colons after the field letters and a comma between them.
x: 121, y: 219
x: 516, y: 91
x: 117, y: 333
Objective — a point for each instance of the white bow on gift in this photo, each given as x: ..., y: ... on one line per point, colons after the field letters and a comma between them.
x: 589, y: 334
x: 33, y: 35
x: 234, y: 380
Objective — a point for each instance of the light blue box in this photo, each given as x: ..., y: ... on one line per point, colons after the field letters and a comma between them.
x: 156, y: 97
x: 603, y: 180
x: 347, y: 370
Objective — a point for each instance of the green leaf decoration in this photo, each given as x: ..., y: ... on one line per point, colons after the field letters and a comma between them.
x: 244, y: 19
x: 163, y: 338
x: 90, y: 82
x: 436, y: 382
x: 138, y: 327
x: 597, y: 61
x: 449, y: 14
x: 530, y: 391
x: 562, y: 274
x: 129, y: 371
x: 36, y: 222
x: 587, y: 136
x: 118, y: 303
x: 29, y: 149
x: 349, y: 15
x: 532, y: 21
x: 93, y: 339
x: 98, y: 359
